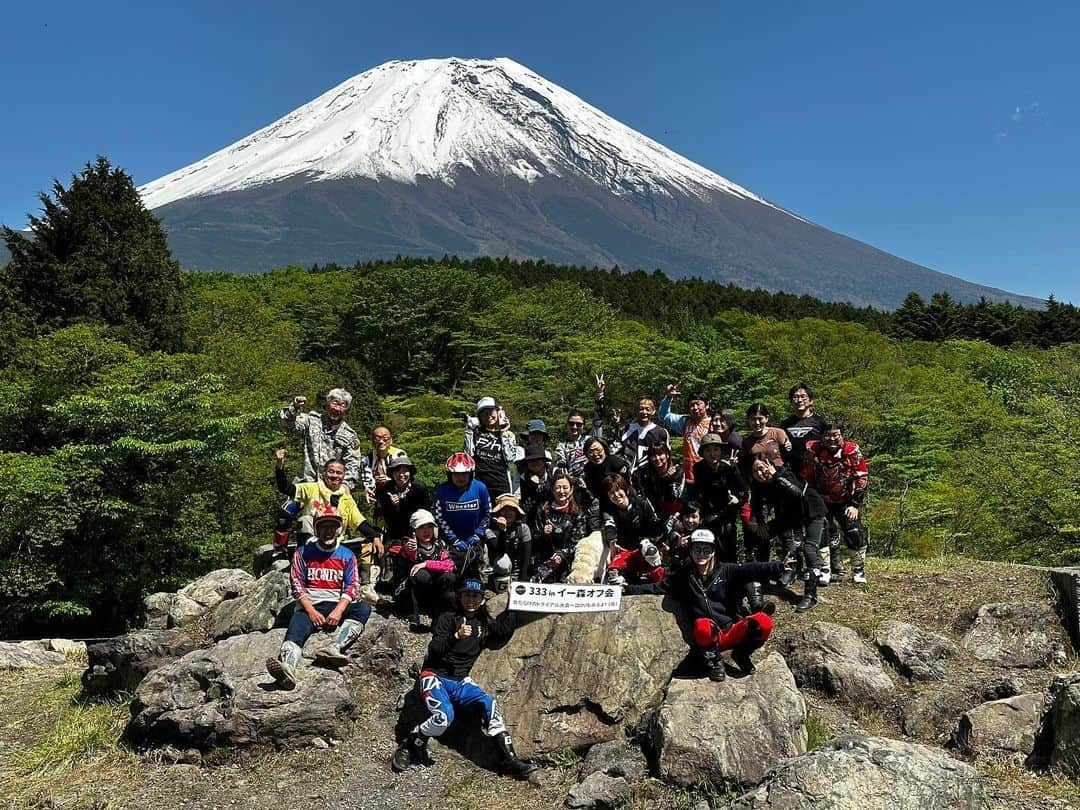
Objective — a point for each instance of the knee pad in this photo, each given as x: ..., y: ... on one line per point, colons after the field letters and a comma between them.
x: 853, y: 536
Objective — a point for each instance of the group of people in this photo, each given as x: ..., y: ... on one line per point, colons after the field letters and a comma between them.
x: 607, y: 502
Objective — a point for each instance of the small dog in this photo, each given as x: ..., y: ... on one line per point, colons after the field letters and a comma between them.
x: 590, y: 560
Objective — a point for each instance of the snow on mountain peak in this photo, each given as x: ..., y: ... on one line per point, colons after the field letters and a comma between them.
x: 436, y: 117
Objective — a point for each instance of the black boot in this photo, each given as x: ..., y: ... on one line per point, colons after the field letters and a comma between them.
x: 714, y: 664
x: 412, y: 751
x: 810, y: 586
x: 754, y: 596
x: 510, y: 764
x: 741, y: 657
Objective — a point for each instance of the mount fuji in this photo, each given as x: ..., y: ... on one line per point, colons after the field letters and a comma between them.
x: 485, y: 157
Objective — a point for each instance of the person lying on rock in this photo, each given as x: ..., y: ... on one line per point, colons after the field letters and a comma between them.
x: 325, y: 583
x: 706, y: 590
x: 458, y: 638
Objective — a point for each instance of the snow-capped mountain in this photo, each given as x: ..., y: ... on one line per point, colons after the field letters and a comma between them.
x: 468, y: 157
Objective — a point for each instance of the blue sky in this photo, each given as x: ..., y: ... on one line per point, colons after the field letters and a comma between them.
x: 945, y: 133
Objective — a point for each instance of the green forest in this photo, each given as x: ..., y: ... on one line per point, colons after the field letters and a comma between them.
x: 137, y: 401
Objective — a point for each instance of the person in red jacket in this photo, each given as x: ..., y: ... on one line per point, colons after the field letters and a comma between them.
x: 837, y: 469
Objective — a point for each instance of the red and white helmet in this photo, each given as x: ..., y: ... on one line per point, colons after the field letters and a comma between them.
x: 460, y: 462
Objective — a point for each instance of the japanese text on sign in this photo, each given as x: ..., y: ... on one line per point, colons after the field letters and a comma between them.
x: 537, y: 597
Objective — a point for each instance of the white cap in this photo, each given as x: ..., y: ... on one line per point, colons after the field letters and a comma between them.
x: 702, y: 536
x: 421, y: 517
x: 484, y: 403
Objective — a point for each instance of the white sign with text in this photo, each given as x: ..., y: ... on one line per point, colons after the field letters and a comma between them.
x: 537, y: 597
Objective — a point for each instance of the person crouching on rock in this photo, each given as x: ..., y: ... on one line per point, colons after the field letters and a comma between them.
x: 427, y: 578
x: 325, y: 583
x: 457, y: 640
x: 706, y: 588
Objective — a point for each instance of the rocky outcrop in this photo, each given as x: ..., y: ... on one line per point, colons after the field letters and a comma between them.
x: 570, y: 681
x: 834, y: 660
x: 223, y: 696
x: 167, y: 610
x: 1066, y: 582
x: 64, y: 646
x: 1016, y: 634
x: 119, y: 664
x: 1057, y: 743
x: 608, y: 774
x: 266, y: 604
x: 25, y: 656
x: 729, y: 732
x: 1001, y: 725
x: 857, y: 771
x: 913, y: 652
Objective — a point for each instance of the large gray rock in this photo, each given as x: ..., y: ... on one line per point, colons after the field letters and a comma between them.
x: 266, y: 604
x: 933, y: 714
x: 223, y: 696
x: 858, y: 773
x: 24, y: 656
x: 119, y: 664
x: 1014, y: 634
x: 164, y: 610
x: 1066, y: 582
x: 574, y: 680
x: 915, y: 653
x: 834, y: 659
x: 731, y: 731
x: 1057, y: 742
x: 608, y: 774
x: 1001, y: 725
x: 64, y: 646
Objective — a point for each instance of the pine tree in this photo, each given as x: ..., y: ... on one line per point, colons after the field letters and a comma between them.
x: 97, y: 255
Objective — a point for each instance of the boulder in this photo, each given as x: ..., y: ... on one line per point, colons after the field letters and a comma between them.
x: 25, y: 656
x: 914, y: 653
x: 223, y: 696
x: 933, y: 714
x: 1066, y: 582
x: 608, y: 774
x: 266, y: 604
x: 211, y: 589
x: 119, y: 664
x: 1001, y: 725
x: 731, y: 731
x: 1017, y: 634
x: 857, y: 771
x: 64, y: 646
x: 163, y: 610
x: 834, y: 659
x: 1057, y: 742
x: 574, y: 680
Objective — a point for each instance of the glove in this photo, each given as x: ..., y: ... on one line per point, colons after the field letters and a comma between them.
x: 461, y: 545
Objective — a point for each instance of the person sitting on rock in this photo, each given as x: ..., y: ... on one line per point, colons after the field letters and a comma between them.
x: 463, y: 510
x: 559, y: 524
x: 599, y: 465
x: 325, y: 436
x: 330, y: 490
x: 707, y: 591
x: 457, y: 640
x: 630, y: 529
x: 508, y: 542
x: 325, y: 583
x: 679, y: 528
x: 426, y: 572
x: 798, y: 512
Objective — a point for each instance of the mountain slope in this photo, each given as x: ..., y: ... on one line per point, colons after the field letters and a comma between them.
x: 475, y: 157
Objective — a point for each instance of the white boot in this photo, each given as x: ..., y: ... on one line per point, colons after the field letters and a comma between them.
x: 334, y: 654
x: 283, y: 668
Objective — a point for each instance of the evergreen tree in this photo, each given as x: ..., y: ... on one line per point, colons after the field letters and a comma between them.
x: 97, y: 255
